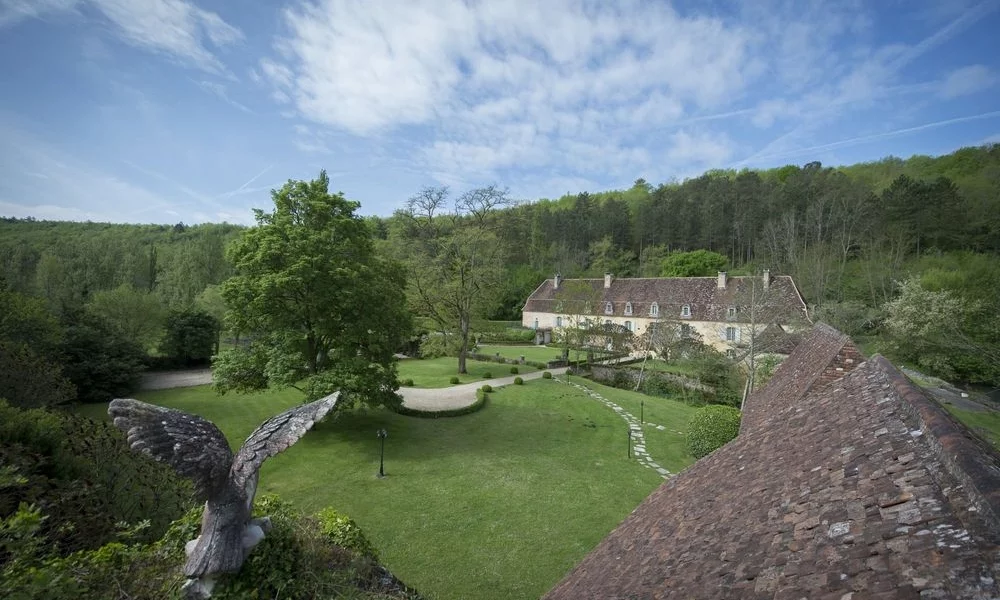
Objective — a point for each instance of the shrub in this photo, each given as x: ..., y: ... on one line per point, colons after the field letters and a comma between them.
x: 435, y: 345
x: 487, y: 375
x: 710, y: 428
x: 518, y: 381
x: 546, y: 375
x: 407, y: 383
x: 513, y: 371
x: 191, y: 337
x: 343, y: 531
x: 487, y: 388
x: 454, y: 380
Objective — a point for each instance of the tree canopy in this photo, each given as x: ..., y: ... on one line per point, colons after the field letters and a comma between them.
x: 322, y: 311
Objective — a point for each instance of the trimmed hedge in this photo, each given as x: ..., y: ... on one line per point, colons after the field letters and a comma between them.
x: 406, y: 383
x: 711, y: 428
x: 454, y: 380
x: 481, y: 398
x: 518, y: 381
x: 546, y: 375
x: 487, y: 388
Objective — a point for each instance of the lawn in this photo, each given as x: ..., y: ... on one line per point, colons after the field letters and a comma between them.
x: 501, y: 503
x: 532, y: 353
x: 986, y: 423
x: 667, y: 447
x: 437, y: 372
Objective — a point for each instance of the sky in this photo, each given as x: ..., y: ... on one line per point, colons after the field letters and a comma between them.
x: 167, y: 111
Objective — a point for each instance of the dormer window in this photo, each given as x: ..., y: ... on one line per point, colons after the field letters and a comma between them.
x: 609, y: 308
x: 686, y: 310
x: 654, y: 310
x: 731, y: 312
x: 628, y: 308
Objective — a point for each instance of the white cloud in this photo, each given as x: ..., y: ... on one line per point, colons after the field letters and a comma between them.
x: 14, y: 11
x: 176, y: 28
x: 967, y: 80
x: 700, y: 148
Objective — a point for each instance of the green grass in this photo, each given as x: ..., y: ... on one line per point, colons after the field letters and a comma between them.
x: 501, y: 503
x: 532, y: 353
x: 437, y: 372
x: 665, y: 447
x: 986, y: 423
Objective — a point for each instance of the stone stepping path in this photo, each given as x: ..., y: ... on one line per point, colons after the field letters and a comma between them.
x: 638, y: 438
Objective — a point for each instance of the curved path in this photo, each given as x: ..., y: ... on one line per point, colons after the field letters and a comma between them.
x: 458, y: 396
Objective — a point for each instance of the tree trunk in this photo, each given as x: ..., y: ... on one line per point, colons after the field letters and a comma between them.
x: 463, y: 347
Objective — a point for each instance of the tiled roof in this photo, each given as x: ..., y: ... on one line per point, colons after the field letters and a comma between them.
x: 855, y: 486
x: 706, y: 301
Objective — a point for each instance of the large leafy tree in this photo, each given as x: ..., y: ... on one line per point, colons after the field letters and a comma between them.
x: 322, y: 310
x: 697, y: 263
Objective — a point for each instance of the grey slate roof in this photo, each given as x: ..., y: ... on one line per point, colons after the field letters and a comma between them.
x: 850, y: 484
x: 707, y: 302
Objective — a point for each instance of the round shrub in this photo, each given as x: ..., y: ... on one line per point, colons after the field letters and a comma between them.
x: 407, y: 383
x: 487, y: 375
x: 546, y: 375
x: 710, y: 428
x: 454, y: 380
x: 343, y: 531
x: 518, y: 381
x: 513, y: 370
x: 487, y: 388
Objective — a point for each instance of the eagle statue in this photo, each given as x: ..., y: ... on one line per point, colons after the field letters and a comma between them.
x: 197, y: 450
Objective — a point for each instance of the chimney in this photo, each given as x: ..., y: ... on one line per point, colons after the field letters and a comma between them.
x: 722, y: 280
x: 767, y: 278
x: 556, y: 281
x: 607, y: 281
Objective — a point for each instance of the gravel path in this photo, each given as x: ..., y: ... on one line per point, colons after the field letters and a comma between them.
x: 458, y: 396
x: 163, y: 380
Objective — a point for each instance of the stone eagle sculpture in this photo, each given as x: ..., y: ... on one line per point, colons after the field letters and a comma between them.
x: 197, y: 450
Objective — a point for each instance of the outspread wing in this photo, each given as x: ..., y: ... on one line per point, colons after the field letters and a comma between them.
x: 274, y: 435
x: 194, y: 447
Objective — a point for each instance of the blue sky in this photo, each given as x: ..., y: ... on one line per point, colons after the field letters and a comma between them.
x: 192, y: 110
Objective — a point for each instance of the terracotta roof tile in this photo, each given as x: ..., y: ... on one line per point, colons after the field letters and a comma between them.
x: 706, y: 301
x: 855, y: 485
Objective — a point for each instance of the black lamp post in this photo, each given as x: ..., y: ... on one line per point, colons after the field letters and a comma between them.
x: 642, y: 405
x: 382, y: 434
x: 629, y: 442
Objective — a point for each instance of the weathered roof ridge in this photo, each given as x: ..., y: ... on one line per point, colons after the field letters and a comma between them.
x: 796, y: 376
x: 968, y: 458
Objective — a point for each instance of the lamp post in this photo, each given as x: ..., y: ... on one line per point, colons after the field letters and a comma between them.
x: 382, y: 434
x: 629, y: 442
x: 642, y: 406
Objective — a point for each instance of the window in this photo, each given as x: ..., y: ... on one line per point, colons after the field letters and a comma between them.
x: 609, y: 309
x: 731, y: 312
x: 654, y: 310
x: 558, y: 321
x: 628, y: 325
x: 686, y: 310
x: 628, y: 308
x: 731, y: 334
x: 731, y: 353
x: 536, y: 323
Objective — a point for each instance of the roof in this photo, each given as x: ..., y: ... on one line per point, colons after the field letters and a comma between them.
x: 707, y: 302
x: 854, y: 484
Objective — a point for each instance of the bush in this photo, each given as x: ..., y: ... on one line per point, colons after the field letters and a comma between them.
x: 487, y: 375
x: 546, y: 375
x: 481, y: 398
x: 435, y: 345
x: 97, y: 360
x: 518, y: 381
x: 487, y: 388
x: 343, y: 531
x: 191, y: 337
x: 454, y: 380
x: 406, y: 383
x: 513, y: 371
x: 710, y: 428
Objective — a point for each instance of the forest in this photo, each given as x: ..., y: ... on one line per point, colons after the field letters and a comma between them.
x: 902, y: 254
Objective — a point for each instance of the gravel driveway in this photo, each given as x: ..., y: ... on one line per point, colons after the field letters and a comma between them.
x: 163, y: 380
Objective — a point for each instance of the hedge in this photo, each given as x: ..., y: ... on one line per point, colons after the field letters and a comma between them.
x: 711, y: 428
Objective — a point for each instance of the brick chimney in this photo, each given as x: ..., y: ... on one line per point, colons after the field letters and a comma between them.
x: 607, y: 281
x: 556, y: 281
x: 767, y: 278
x: 722, y: 280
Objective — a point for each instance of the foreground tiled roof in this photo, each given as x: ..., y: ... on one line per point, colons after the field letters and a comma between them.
x: 856, y: 485
x: 706, y: 301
